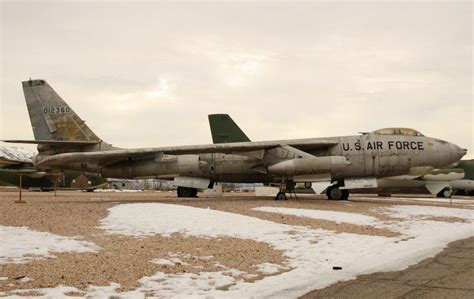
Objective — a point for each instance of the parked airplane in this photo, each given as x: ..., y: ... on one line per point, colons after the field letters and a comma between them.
x: 16, y: 162
x: 456, y: 179
x: 66, y: 142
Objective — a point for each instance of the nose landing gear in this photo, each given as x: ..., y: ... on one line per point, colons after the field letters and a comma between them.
x: 285, y: 187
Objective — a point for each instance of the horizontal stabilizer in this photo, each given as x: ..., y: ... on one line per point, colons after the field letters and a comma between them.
x: 54, y: 142
x: 4, y: 161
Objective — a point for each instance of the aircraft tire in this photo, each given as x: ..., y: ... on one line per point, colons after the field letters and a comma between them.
x: 280, y: 196
x: 446, y: 192
x: 186, y: 192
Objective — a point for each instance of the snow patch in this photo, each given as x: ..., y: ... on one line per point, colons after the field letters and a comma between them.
x: 413, y: 212
x: 338, y: 217
x: 270, y: 268
x: 185, y: 285
x: 21, y: 245
x: 170, y: 262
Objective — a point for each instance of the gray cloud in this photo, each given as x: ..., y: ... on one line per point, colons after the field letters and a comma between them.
x: 147, y: 74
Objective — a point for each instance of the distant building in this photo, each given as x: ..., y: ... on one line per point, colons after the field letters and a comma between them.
x: 145, y: 184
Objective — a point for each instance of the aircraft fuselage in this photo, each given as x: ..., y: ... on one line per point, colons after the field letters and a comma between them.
x: 369, y: 155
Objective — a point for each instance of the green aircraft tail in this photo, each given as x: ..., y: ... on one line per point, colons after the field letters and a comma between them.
x: 225, y: 130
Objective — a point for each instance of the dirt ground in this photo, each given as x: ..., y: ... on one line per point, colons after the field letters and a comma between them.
x: 79, y: 214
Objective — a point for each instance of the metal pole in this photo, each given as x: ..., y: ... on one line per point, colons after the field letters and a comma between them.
x: 21, y: 184
x: 21, y: 187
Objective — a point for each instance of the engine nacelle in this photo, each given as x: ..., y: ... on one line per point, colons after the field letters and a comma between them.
x: 164, y: 167
x: 190, y: 165
x: 303, y: 166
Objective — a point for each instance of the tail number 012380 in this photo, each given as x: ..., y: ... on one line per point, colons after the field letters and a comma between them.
x: 57, y: 110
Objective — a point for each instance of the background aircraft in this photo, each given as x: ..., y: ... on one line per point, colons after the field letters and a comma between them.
x: 334, y: 164
x: 456, y: 179
x: 16, y: 161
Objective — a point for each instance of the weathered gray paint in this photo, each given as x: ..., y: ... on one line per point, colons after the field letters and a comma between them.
x: 366, y: 155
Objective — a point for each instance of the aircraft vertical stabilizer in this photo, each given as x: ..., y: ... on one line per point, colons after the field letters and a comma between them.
x: 51, y: 117
x: 225, y: 130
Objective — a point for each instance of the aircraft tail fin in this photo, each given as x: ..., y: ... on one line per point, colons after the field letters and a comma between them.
x: 225, y: 130
x: 51, y: 117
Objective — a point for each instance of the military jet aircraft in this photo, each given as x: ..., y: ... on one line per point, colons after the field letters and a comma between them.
x: 66, y: 142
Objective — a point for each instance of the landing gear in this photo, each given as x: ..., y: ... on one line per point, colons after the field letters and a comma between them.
x: 446, y: 192
x: 286, y: 187
x: 334, y: 193
x: 187, y: 192
x: 280, y: 196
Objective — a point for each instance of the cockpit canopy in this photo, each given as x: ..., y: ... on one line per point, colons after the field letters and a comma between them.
x: 397, y: 131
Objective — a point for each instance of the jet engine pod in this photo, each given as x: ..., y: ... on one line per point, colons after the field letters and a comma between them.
x: 190, y: 165
x: 314, y: 165
x: 163, y: 166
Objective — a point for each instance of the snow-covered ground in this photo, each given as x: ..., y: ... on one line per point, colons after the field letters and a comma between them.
x: 21, y: 244
x: 311, y: 253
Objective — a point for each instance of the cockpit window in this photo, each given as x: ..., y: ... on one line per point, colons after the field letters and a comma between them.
x: 397, y: 131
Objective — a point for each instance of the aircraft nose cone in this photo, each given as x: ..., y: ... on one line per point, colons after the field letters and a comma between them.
x: 458, y: 152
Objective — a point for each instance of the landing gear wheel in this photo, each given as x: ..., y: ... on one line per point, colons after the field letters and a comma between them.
x: 334, y: 193
x: 446, y: 192
x: 186, y: 192
x: 280, y: 196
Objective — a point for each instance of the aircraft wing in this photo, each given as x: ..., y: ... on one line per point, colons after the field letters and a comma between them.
x: 17, y: 166
x: 7, y: 162
x: 114, y: 156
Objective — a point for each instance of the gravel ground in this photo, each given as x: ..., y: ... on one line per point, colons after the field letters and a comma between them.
x: 79, y: 214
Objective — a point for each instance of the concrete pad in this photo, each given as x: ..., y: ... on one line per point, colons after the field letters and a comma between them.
x: 266, y: 191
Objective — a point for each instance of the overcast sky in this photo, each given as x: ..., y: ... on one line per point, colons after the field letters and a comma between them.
x: 147, y: 74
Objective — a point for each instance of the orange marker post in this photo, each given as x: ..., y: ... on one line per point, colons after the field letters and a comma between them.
x: 21, y: 201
